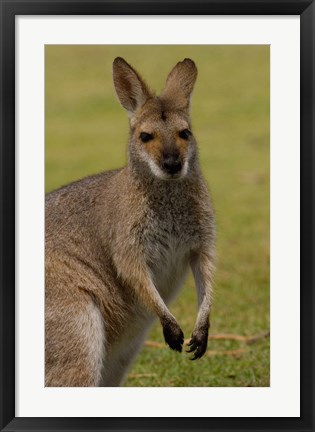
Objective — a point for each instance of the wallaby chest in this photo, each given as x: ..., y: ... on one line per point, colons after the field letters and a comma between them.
x: 171, y: 231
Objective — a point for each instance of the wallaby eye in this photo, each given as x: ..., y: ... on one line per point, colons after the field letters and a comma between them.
x: 184, y: 134
x: 145, y: 137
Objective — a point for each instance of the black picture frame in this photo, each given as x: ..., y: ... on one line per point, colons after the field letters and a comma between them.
x: 9, y: 9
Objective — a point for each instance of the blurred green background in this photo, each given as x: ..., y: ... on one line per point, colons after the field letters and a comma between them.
x: 87, y: 131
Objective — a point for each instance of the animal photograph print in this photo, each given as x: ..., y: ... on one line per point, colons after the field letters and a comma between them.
x: 157, y: 215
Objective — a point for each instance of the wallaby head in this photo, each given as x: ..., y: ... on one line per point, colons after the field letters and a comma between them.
x: 161, y: 142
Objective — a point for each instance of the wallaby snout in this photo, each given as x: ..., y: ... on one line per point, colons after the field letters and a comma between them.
x: 172, y: 163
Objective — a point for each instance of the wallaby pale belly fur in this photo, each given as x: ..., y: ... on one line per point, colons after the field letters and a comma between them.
x: 119, y: 244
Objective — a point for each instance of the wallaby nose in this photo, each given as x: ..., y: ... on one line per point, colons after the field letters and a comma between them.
x: 172, y: 163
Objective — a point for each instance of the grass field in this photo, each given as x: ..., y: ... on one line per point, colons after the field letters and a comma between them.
x: 87, y: 132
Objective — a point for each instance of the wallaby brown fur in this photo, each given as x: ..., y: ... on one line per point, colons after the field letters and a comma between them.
x: 119, y: 244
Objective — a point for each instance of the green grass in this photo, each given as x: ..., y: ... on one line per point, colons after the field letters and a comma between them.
x: 87, y: 132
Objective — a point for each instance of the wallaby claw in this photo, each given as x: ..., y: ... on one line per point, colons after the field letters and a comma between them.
x: 173, y: 336
x: 198, y: 344
x: 192, y: 348
x: 197, y: 355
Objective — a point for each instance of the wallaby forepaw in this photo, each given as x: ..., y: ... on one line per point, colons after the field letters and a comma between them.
x: 173, y: 336
x: 198, y: 343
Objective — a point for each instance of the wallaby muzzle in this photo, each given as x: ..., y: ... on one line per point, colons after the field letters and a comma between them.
x: 171, y: 163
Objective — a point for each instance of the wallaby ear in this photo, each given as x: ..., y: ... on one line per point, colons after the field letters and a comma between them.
x: 131, y: 90
x: 179, y: 84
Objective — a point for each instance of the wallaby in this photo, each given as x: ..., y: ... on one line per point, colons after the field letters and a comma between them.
x: 119, y: 244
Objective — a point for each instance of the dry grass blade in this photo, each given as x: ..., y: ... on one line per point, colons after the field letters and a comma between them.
x: 240, y: 338
x: 153, y: 344
x: 236, y: 352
